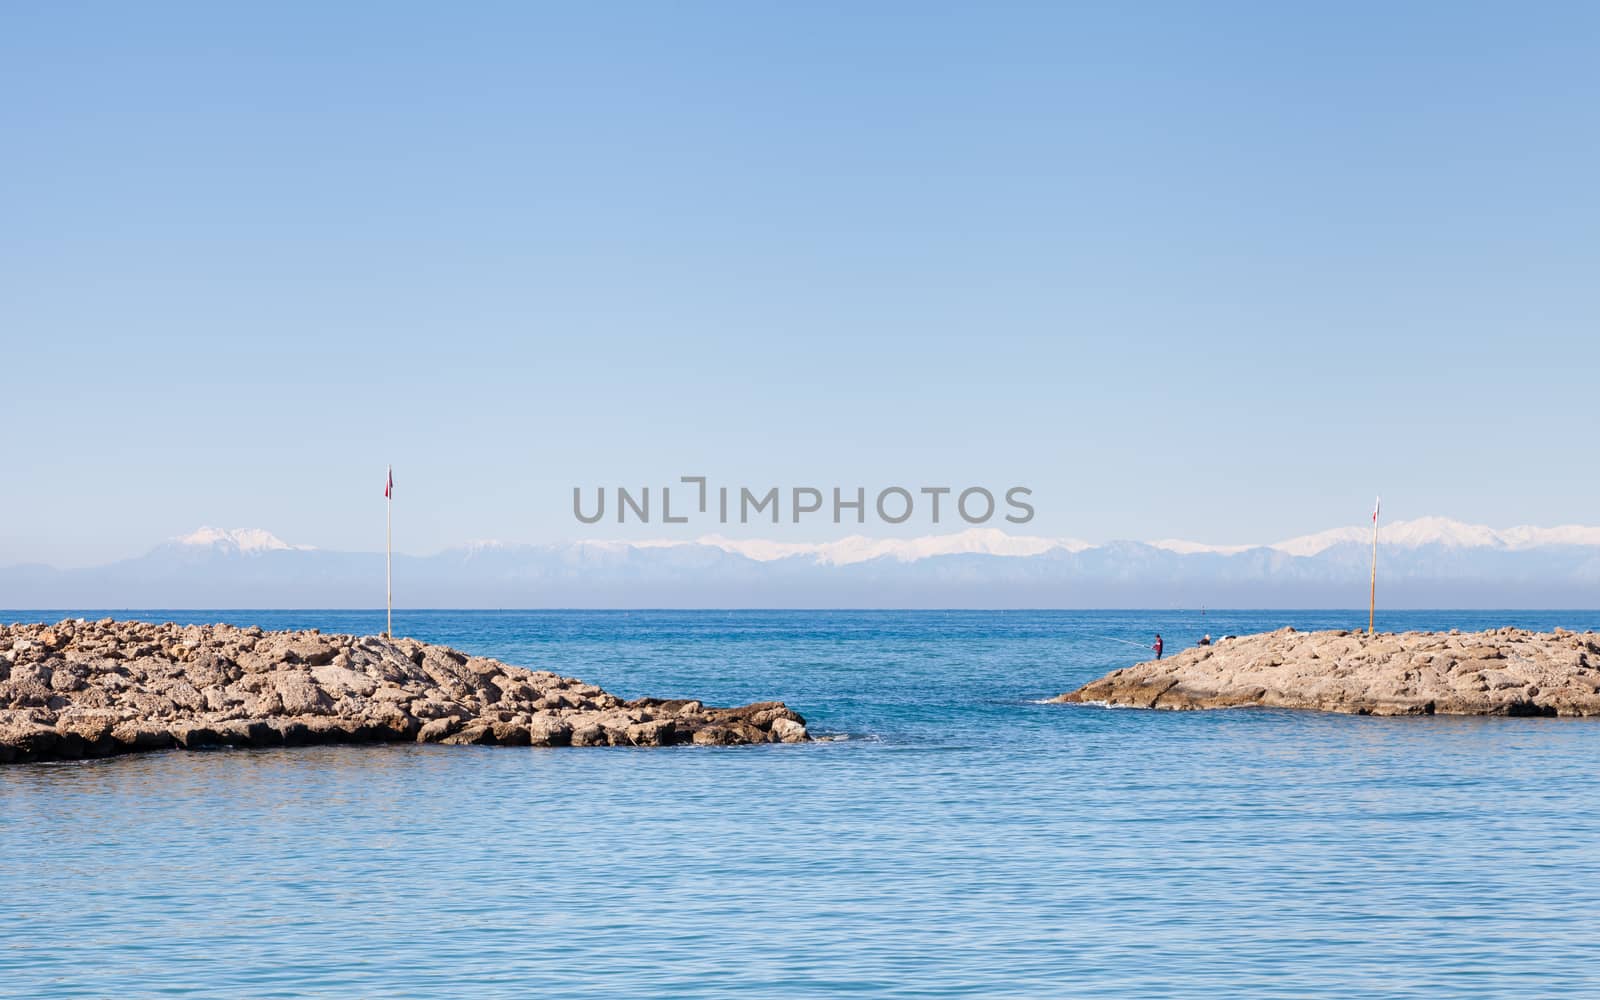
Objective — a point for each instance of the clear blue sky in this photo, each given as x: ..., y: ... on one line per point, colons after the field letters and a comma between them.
x: 1218, y: 271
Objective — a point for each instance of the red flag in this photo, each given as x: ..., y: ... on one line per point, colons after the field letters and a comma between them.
x: 1375, y: 505
x: 388, y: 487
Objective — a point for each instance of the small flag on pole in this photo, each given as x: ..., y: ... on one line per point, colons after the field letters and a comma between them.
x: 388, y: 487
x: 1375, y: 505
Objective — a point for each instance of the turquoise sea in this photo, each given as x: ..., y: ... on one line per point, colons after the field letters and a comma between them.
x: 962, y: 841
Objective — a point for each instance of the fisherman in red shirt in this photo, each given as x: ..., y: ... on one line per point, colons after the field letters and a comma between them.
x: 1159, y: 646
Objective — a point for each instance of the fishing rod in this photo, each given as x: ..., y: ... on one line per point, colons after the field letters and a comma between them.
x: 1125, y: 642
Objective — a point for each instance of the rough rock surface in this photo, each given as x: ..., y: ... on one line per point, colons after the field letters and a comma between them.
x: 90, y: 689
x: 1500, y: 672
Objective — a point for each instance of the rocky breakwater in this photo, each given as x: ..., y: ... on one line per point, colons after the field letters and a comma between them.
x: 88, y: 689
x: 1500, y: 672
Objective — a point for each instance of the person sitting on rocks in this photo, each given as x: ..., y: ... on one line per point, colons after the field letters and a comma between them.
x: 1205, y: 640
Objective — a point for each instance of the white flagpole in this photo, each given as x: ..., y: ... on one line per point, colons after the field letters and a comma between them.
x: 1372, y: 606
x: 388, y: 555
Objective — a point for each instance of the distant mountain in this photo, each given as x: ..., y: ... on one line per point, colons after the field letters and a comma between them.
x: 1429, y: 562
x: 234, y: 540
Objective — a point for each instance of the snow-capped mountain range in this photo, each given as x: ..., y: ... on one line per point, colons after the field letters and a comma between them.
x: 1427, y: 562
x: 239, y: 540
x: 992, y: 541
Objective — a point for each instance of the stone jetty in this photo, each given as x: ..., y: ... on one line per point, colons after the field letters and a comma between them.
x: 90, y: 689
x: 1504, y: 671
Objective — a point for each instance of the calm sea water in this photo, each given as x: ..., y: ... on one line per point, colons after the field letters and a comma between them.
x: 963, y: 841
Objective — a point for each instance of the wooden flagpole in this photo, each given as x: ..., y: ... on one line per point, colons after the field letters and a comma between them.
x: 388, y: 555
x: 1372, y: 603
